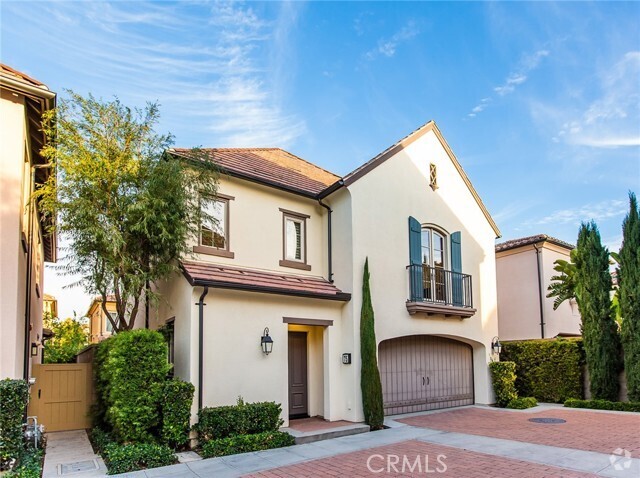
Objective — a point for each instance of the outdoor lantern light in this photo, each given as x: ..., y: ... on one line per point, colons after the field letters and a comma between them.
x: 34, y: 349
x: 496, y: 346
x: 266, y: 342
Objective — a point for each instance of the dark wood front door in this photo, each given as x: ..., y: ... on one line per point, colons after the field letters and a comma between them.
x: 298, y: 375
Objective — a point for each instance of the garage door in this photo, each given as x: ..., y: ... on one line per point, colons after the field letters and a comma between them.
x: 422, y: 372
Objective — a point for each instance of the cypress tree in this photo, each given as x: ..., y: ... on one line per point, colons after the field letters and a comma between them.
x: 629, y: 297
x: 599, y: 330
x: 369, y: 374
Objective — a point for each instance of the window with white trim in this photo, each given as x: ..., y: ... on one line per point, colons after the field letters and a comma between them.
x: 434, y: 256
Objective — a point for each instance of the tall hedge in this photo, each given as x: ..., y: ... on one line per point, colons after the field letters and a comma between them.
x: 135, y: 368
x: 175, y: 410
x: 599, y: 330
x: 503, y: 377
x: 629, y: 297
x: 13, y: 401
x: 101, y: 381
x: 547, y: 369
x: 369, y: 374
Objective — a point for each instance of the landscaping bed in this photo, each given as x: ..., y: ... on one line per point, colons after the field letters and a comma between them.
x: 604, y: 405
x: 241, y: 428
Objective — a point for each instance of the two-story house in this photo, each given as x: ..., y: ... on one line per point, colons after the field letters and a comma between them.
x: 269, y: 307
x: 24, y: 241
x: 524, y: 269
x: 100, y: 327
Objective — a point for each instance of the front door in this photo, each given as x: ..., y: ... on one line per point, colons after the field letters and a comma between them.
x: 298, y: 407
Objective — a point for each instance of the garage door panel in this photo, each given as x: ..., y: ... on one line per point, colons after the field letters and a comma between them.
x: 423, y: 372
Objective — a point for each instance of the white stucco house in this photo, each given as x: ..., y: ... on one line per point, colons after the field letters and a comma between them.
x: 287, y: 257
x: 524, y: 268
x: 25, y: 243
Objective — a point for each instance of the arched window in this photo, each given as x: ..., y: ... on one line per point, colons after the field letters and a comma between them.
x: 434, y: 258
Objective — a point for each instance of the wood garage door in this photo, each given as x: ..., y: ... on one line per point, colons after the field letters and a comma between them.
x: 422, y: 372
x: 61, y: 396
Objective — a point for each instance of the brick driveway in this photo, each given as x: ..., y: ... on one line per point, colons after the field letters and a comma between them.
x: 459, y: 463
x: 584, y: 430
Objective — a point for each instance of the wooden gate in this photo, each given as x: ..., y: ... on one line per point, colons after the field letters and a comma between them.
x: 62, y: 396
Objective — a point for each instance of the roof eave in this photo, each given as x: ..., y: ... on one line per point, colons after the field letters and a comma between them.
x: 253, y: 179
x: 341, y: 296
x: 405, y: 142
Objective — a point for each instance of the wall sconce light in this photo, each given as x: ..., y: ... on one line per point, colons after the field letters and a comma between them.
x: 266, y: 342
x: 496, y: 346
x: 34, y: 349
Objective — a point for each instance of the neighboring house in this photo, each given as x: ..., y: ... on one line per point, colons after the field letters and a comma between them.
x: 24, y: 242
x: 49, y: 306
x: 284, y: 264
x: 100, y: 327
x: 524, y: 270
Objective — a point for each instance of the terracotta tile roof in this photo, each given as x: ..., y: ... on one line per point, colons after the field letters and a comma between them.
x: 7, y: 71
x: 525, y: 241
x: 219, y: 276
x: 273, y: 166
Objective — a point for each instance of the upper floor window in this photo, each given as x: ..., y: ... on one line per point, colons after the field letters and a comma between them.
x: 214, y: 229
x: 116, y: 319
x: 434, y: 257
x: 433, y: 248
x: 294, y: 239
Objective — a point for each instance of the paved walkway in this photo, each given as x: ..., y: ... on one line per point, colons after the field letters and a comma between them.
x: 583, y: 430
x: 70, y: 454
x: 467, y: 454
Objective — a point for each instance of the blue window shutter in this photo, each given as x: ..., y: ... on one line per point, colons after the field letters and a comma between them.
x: 415, y: 260
x: 456, y: 268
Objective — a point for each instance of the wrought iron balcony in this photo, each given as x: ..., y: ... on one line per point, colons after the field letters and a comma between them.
x: 437, y: 291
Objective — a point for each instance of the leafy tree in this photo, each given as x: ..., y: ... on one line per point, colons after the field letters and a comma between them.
x: 369, y: 374
x: 128, y: 209
x: 69, y: 337
x: 563, y: 285
x: 599, y: 330
x: 629, y: 297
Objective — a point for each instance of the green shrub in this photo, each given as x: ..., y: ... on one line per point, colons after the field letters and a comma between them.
x: 100, y: 440
x: 503, y: 377
x: 14, y: 395
x: 549, y: 370
x: 101, y: 382
x: 246, y: 443
x: 521, y: 403
x: 29, y: 465
x: 370, y: 383
x: 262, y: 417
x: 135, y: 369
x: 604, y: 405
x: 175, y: 410
x: 127, y: 458
x: 241, y: 419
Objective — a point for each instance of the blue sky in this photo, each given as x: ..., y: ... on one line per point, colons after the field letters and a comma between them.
x: 539, y: 101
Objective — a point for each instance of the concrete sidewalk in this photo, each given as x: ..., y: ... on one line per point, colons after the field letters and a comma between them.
x: 563, y: 458
x: 70, y: 454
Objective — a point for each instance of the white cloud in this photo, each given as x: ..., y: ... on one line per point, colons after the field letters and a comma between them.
x: 388, y: 46
x: 597, y: 212
x: 518, y: 76
x: 219, y: 75
x: 613, y: 118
